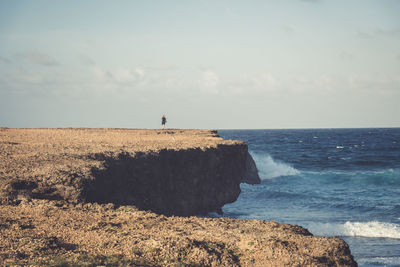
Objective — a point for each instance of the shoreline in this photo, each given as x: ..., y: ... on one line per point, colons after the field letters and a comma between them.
x: 62, y: 227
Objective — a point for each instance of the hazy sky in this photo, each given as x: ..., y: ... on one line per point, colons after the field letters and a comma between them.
x: 205, y: 64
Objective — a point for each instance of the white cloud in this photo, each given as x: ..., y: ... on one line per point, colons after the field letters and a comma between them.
x: 209, y: 81
x: 388, y: 32
x: 38, y: 58
x: 85, y: 60
x: 124, y: 75
x: 119, y: 75
x: 346, y: 55
x: 101, y: 75
x: 139, y: 71
x: 268, y: 82
x: 378, y: 83
x: 336, y: 84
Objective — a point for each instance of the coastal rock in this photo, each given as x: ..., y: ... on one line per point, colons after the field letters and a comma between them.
x: 251, y: 176
x: 94, y: 196
x: 52, y: 233
x: 171, y: 172
x: 183, y: 182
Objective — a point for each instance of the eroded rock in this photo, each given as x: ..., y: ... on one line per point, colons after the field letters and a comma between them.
x: 251, y: 175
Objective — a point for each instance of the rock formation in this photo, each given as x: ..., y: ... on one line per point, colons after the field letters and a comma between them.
x: 251, y: 176
x: 170, y: 172
x: 94, y: 197
x: 170, y: 182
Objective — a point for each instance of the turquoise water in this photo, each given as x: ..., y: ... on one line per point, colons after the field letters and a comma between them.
x: 334, y: 182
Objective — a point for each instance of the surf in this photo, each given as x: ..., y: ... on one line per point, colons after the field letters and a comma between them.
x: 268, y: 168
x: 374, y: 229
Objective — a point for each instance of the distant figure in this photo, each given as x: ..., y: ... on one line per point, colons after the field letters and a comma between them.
x: 163, y: 121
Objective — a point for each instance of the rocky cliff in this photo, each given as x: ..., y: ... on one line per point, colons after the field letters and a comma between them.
x: 171, y: 182
x: 172, y: 172
x: 251, y: 176
x: 96, y: 197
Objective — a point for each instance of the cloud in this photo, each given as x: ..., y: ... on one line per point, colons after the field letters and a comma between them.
x: 4, y: 60
x: 122, y: 79
x: 364, y: 35
x: 121, y: 75
x: 101, y: 75
x: 339, y: 84
x: 85, y: 60
x: 286, y: 28
x: 378, y: 83
x: 387, y: 32
x: 239, y: 84
x: 209, y: 81
x: 346, y: 55
x: 39, y: 59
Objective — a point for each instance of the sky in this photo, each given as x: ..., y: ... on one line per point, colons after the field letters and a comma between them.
x: 214, y: 64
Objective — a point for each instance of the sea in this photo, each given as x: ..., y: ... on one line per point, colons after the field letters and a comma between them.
x: 334, y: 182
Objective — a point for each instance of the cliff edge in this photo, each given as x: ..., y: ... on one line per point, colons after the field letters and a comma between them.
x: 97, y: 197
x: 171, y: 172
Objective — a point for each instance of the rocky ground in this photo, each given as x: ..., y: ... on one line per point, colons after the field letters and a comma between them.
x: 43, y: 232
x: 39, y: 227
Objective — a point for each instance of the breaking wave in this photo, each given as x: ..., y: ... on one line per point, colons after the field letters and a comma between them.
x: 358, y: 229
x: 269, y: 168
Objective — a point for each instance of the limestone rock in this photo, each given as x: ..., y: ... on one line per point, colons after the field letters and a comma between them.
x: 71, y: 196
x: 172, y: 172
x: 251, y: 176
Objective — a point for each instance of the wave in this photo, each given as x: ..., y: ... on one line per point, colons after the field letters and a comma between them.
x: 358, y: 229
x: 268, y: 168
x: 379, y: 261
x: 385, y: 177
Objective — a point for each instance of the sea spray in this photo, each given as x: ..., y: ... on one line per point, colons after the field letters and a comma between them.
x: 269, y: 168
x: 352, y: 192
x: 358, y: 229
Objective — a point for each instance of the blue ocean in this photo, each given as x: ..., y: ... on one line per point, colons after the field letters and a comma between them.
x: 334, y: 182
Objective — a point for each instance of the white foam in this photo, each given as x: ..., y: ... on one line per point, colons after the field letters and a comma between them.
x: 339, y: 147
x: 268, y: 168
x: 380, y: 260
x: 361, y: 229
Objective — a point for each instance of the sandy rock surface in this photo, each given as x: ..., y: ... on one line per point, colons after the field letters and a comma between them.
x: 54, y: 231
x: 172, y: 172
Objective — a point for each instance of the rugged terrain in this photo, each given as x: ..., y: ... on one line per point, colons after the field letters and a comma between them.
x: 173, y: 172
x: 96, y: 197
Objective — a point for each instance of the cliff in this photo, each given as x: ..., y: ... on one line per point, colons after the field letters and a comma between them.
x: 172, y: 172
x: 251, y: 176
x: 96, y: 196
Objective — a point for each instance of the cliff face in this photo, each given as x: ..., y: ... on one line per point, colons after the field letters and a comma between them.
x: 251, y: 176
x: 171, y: 172
x: 59, y: 187
x: 185, y: 182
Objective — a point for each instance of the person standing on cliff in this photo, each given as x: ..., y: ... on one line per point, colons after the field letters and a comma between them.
x: 163, y: 121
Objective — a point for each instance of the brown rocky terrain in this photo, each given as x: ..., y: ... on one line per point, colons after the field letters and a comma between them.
x: 168, y: 171
x: 83, y: 197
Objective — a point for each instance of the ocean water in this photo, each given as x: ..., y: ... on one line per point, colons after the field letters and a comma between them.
x: 334, y: 182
